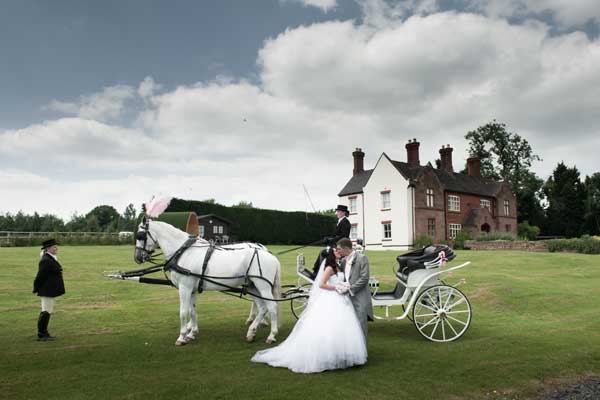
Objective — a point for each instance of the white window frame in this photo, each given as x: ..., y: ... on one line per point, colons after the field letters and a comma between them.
x: 506, y: 208
x: 215, y: 229
x: 354, y: 232
x: 453, y: 203
x: 201, y: 231
x: 220, y: 229
x: 454, y: 229
x: 386, y: 233
x: 429, y: 226
x: 353, y: 204
x: 430, y: 198
x: 485, y: 203
x: 386, y: 202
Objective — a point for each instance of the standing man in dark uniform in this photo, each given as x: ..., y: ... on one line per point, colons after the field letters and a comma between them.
x: 342, y: 230
x: 48, y: 284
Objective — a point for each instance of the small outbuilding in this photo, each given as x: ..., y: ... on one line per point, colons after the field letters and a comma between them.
x: 214, y: 227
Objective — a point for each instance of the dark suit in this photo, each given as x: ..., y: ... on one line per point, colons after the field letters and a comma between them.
x: 342, y: 230
x: 49, y: 281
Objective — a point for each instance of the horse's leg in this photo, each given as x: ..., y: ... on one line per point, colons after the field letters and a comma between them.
x: 185, y: 296
x: 252, y: 315
x: 264, y: 289
x: 192, y: 325
x: 262, y: 310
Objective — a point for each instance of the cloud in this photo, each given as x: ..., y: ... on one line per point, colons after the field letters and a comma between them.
x: 324, y: 89
x: 147, y: 87
x: 566, y: 13
x: 324, y: 5
x: 108, y: 104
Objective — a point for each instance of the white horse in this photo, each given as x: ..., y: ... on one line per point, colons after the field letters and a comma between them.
x: 232, y: 261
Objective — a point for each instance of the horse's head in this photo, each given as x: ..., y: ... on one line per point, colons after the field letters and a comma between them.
x: 145, y: 244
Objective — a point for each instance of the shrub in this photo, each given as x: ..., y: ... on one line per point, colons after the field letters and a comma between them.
x: 585, y: 244
x: 422, y: 241
x: 528, y: 232
x: 460, y: 239
x: 488, y: 237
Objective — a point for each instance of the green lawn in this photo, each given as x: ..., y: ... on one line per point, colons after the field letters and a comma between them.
x: 536, y: 320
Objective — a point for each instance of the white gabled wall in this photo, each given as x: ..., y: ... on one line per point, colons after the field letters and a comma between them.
x: 386, y: 177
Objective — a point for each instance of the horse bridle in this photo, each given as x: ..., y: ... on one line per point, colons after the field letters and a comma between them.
x: 142, y: 236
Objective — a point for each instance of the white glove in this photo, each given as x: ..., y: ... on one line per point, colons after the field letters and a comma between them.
x: 342, y: 288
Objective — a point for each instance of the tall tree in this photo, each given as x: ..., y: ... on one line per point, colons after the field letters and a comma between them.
x: 592, y: 204
x: 566, y: 198
x: 106, y: 218
x: 507, y: 156
x: 128, y: 220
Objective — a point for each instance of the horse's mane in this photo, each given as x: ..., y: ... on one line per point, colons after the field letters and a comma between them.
x: 176, y: 230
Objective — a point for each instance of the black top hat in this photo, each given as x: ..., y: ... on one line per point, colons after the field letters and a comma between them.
x: 49, y: 243
x: 343, y: 208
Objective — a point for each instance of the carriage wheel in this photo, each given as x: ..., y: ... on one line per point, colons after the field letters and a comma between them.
x: 442, y: 313
x: 300, y: 299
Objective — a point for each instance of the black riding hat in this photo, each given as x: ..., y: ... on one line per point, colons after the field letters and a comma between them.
x: 343, y: 208
x: 49, y: 243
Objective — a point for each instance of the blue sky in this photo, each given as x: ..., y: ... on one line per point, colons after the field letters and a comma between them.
x: 113, y: 101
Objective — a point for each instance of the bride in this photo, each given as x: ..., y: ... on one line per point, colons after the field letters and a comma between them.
x: 327, y: 335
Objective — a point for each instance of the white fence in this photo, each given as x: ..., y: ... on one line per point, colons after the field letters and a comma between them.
x: 7, y: 236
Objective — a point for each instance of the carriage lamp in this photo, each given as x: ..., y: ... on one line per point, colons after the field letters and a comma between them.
x: 373, y: 283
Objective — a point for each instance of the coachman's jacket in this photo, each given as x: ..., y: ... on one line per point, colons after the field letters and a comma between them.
x: 342, y: 230
x: 49, y: 281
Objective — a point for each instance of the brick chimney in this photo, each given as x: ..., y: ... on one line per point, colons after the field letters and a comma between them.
x: 474, y: 166
x: 412, y: 153
x: 446, y: 158
x: 359, y: 161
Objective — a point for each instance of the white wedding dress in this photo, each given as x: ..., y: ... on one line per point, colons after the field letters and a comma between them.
x: 327, y: 335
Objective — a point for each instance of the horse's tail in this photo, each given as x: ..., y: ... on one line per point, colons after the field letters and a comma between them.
x: 276, y: 292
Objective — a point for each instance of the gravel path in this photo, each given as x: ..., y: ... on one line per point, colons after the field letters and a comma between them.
x: 586, y: 390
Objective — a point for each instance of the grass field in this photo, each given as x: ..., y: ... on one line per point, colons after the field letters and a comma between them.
x: 536, y: 322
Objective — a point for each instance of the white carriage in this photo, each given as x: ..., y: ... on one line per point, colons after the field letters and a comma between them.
x: 440, y: 312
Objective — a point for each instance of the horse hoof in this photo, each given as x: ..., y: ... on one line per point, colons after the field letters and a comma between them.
x: 249, y: 339
x: 180, y: 342
x: 270, y: 340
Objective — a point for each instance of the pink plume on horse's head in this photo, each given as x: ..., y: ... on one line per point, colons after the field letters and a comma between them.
x: 157, y: 206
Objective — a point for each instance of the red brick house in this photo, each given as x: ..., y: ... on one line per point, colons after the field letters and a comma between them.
x: 396, y: 202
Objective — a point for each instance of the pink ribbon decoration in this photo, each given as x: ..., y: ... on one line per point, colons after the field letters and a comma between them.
x: 442, y: 256
x: 157, y: 206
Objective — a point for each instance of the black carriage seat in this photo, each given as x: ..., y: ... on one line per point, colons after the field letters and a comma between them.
x: 415, y: 260
x: 392, y: 294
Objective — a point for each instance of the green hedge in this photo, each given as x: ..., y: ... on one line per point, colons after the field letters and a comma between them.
x: 264, y: 226
x: 585, y: 244
x: 70, y: 240
x: 488, y: 237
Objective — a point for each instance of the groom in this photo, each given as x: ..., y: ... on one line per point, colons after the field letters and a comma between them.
x: 356, y: 273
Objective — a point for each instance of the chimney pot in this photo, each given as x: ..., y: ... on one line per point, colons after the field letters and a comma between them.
x: 359, y: 161
x: 412, y: 153
x: 446, y: 158
x: 474, y: 166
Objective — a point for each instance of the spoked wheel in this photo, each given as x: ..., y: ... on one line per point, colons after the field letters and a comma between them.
x: 300, y: 300
x: 442, y: 313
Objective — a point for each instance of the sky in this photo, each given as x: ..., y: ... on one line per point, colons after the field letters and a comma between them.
x: 113, y: 102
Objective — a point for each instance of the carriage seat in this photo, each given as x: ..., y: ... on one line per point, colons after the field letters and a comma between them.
x: 415, y: 260
x: 392, y: 294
